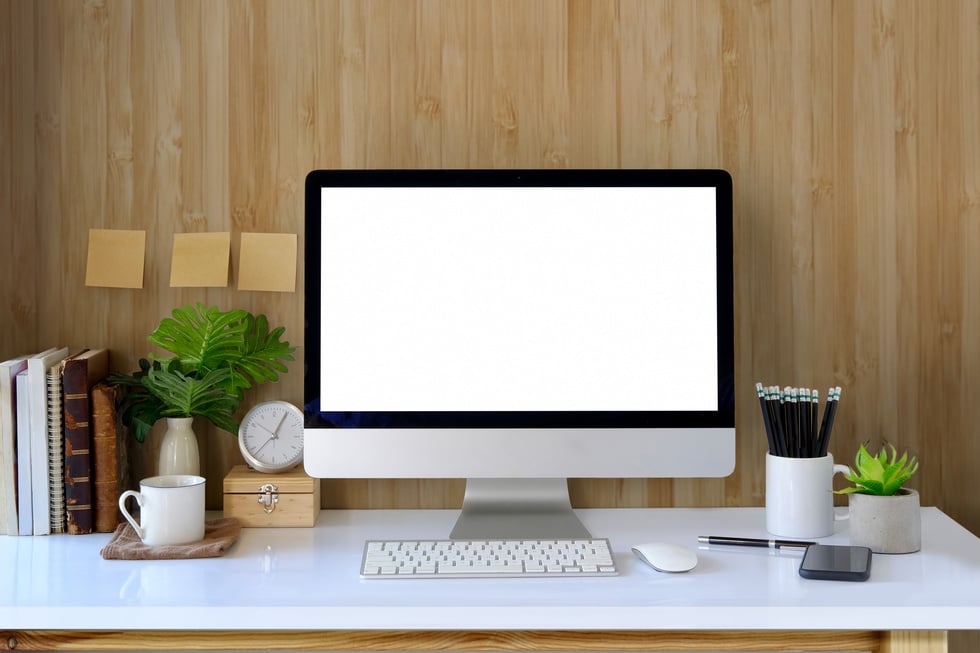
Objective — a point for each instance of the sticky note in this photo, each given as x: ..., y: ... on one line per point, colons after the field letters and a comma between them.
x: 200, y: 260
x: 268, y: 262
x: 115, y: 258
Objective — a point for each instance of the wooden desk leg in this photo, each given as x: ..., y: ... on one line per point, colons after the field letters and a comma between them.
x: 914, y: 641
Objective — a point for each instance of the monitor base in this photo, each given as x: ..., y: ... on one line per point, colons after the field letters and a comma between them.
x: 521, y: 508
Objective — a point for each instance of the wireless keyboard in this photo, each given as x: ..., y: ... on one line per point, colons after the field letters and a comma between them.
x: 486, y: 558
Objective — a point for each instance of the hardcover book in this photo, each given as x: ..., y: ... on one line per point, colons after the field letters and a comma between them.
x: 80, y: 374
x: 108, y: 458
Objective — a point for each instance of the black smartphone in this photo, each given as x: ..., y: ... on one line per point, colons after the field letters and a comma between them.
x: 836, y: 562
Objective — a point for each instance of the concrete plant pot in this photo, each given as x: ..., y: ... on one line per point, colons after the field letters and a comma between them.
x: 889, y: 524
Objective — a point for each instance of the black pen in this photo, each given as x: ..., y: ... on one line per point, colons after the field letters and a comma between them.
x: 751, y: 541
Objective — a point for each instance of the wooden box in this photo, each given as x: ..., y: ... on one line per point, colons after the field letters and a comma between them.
x: 290, y: 499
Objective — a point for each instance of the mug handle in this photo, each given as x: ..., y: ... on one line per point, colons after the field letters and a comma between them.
x: 841, y: 515
x: 122, y: 508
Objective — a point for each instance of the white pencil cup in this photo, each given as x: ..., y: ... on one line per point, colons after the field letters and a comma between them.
x: 799, y: 496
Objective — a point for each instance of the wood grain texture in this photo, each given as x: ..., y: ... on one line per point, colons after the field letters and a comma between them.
x: 19, y: 124
x: 915, y: 641
x: 448, y: 640
x: 850, y: 130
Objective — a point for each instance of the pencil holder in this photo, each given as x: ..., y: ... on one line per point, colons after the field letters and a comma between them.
x: 799, y: 496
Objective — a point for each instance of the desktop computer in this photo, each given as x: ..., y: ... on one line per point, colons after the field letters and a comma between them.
x: 517, y: 328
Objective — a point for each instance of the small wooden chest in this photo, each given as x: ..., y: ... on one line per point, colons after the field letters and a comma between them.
x: 290, y: 499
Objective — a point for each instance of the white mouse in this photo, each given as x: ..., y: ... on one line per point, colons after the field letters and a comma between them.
x: 666, y: 557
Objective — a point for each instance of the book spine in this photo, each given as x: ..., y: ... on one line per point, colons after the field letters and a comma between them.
x: 78, y: 459
x: 106, y: 454
x: 56, y: 453
x: 8, y: 448
x: 37, y: 395
x: 25, y: 506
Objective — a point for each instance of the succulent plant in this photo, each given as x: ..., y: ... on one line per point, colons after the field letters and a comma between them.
x: 881, y: 475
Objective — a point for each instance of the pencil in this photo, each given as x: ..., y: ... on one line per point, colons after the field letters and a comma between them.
x: 794, y: 432
x: 814, y: 405
x: 766, y: 418
x: 829, y: 414
x: 776, y: 405
x: 804, y: 422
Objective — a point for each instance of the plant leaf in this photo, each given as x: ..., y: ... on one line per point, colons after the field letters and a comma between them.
x: 186, y: 396
x: 263, y: 353
x: 871, y: 468
x: 897, y: 474
x: 202, y: 338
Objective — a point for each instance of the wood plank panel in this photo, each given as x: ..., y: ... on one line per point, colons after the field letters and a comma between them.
x: 850, y: 130
x: 19, y: 123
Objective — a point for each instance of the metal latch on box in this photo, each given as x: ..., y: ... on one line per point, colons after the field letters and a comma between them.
x: 268, y: 497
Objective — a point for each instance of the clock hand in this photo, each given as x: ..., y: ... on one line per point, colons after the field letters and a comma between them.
x: 279, y: 425
x: 263, y: 445
x: 274, y: 432
x: 268, y: 430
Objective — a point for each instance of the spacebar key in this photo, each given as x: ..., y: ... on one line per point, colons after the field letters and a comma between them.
x: 481, y: 569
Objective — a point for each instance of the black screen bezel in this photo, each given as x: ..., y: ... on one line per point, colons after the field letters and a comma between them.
x: 720, y: 180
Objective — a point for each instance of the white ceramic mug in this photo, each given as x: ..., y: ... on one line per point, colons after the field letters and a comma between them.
x: 799, y: 496
x: 171, y: 509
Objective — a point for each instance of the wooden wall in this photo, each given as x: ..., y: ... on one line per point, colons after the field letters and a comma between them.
x: 851, y: 130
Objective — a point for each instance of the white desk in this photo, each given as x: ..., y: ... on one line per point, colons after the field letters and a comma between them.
x: 299, y: 588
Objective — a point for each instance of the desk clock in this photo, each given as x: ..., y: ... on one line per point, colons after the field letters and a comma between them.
x: 271, y: 436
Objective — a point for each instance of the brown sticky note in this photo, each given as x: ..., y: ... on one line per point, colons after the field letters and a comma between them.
x: 268, y: 262
x: 115, y: 258
x: 200, y: 260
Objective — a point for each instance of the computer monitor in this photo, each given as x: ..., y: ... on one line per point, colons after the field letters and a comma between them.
x: 517, y: 328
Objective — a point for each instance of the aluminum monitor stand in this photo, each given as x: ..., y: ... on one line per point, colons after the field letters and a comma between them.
x: 521, y: 508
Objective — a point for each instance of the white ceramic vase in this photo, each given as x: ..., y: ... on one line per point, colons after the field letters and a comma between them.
x: 886, y: 524
x: 178, y: 449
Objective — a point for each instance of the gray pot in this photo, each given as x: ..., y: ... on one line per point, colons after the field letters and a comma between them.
x: 886, y: 524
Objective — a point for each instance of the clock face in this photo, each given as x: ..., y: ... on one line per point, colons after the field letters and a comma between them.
x: 271, y: 436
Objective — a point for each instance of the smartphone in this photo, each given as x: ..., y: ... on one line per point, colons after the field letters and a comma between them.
x: 836, y: 562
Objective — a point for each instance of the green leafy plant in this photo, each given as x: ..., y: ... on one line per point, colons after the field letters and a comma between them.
x: 881, y: 475
x: 216, y: 356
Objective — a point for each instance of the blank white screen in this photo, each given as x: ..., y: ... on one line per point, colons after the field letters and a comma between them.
x: 518, y: 299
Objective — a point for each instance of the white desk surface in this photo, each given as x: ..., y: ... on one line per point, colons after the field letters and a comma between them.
x: 308, y: 579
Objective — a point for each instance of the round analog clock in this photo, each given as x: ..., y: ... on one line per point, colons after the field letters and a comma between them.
x: 271, y: 436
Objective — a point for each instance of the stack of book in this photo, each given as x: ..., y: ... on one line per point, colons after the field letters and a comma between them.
x: 62, y: 457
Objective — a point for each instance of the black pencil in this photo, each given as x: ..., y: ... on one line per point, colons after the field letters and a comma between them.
x: 805, y: 423
x: 794, y: 407
x: 823, y: 420
x: 829, y: 414
x: 815, y: 438
x: 766, y: 418
x: 779, y: 431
